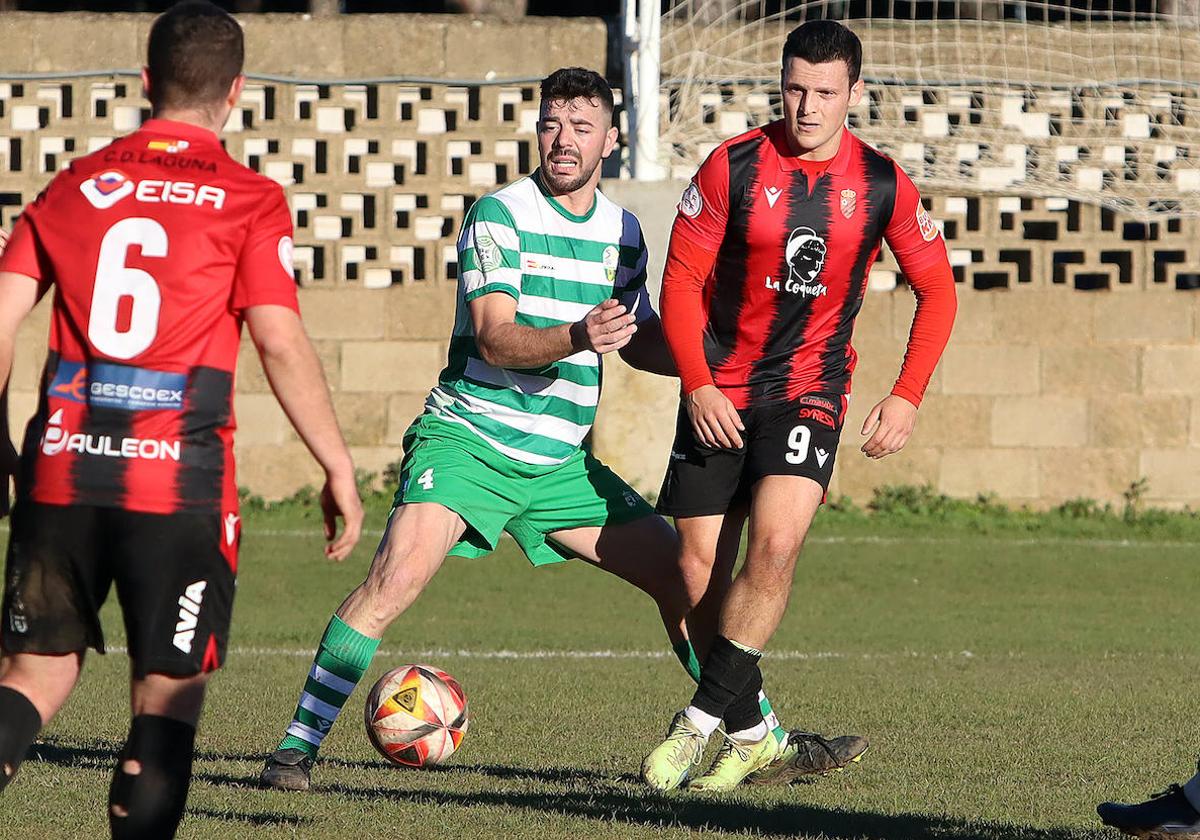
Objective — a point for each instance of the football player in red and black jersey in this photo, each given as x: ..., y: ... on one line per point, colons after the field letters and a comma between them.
x: 157, y: 249
x: 767, y: 268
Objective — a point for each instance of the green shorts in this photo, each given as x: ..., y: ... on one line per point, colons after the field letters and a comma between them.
x: 447, y: 464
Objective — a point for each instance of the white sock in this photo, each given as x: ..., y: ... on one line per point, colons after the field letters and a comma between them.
x: 702, y: 720
x: 754, y: 733
x: 1191, y: 789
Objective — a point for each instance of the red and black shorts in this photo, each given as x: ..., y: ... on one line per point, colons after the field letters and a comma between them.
x: 797, y: 437
x: 174, y: 575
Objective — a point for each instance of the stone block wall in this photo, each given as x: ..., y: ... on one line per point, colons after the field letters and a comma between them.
x: 1073, y: 370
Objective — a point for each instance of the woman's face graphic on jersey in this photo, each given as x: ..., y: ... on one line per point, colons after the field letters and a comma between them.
x: 573, y: 137
x: 816, y: 99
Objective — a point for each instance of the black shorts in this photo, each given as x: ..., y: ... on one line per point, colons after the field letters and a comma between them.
x: 174, y: 575
x: 799, y: 437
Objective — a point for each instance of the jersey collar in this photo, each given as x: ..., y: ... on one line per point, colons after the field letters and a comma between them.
x: 777, y: 133
x: 562, y: 211
x: 180, y: 130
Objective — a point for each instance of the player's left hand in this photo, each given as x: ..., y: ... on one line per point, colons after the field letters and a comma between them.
x: 3, y: 240
x: 890, y: 424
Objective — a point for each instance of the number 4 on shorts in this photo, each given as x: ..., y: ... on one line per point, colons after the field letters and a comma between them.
x: 425, y: 479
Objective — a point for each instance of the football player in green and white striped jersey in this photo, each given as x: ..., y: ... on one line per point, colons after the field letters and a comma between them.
x: 552, y: 275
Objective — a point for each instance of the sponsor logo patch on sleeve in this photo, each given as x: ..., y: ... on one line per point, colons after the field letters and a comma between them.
x: 925, y: 222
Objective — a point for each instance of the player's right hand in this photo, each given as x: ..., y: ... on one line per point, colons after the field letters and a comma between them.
x: 605, y: 329
x: 339, y: 497
x: 715, y: 420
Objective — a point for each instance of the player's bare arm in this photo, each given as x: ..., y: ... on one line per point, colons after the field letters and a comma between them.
x: 504, y: 343
x: 296, y: 378
x: 18, y: 296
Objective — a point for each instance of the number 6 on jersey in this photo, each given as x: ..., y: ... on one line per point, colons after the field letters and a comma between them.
x: 115, y: 281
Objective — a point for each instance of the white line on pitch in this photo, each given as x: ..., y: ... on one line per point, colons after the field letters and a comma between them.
x: 252, y: 532
x: 877, y: 540
x: 453, y: 653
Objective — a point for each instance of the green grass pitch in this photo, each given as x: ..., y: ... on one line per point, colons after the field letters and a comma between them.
x: 1007, y: 684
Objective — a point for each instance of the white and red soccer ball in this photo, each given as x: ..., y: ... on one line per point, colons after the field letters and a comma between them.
x: 416, y: 715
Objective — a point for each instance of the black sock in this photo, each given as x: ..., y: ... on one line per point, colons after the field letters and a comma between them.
x: 19, y: 725
x: 745, y: 712
x: 152, y: 801
x: 725, y: 675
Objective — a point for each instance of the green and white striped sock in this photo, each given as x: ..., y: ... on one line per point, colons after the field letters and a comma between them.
x: 342, y: 658
x: 686, y: 655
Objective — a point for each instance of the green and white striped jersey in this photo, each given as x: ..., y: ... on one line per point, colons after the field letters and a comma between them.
x: 521, y: 242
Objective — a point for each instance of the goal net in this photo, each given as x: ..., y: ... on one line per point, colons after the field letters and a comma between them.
x: 1030, y: 98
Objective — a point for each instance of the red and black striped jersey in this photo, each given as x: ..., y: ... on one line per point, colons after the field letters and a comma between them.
x: 794, y: 248
x: 155, y: 245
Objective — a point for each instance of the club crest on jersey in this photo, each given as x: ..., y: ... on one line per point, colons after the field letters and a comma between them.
x: 611, y: 258
x: 691, y: 203
x: 849, y: 202
x: 104, y: 189
x: 925, y: 222
x: 805, y: 255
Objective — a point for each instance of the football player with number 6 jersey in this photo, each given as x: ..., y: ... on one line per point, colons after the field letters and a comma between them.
x: 157, y: 248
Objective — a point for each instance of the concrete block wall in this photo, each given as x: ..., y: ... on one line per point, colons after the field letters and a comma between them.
x: 1048, y: 392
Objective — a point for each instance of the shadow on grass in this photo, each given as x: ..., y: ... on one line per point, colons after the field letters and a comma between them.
x: 258, y: 819
x: 596, y: 796
x: 610, y: 804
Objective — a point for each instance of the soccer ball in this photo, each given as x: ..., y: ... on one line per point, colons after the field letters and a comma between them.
x: 416, y: 715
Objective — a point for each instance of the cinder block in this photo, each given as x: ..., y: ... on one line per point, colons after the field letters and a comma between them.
x: 635, y: 424
x: 399, y: 45
x: 1145, y: 315
x: 990, y: 369
x: 274, y: 471
x: 1094, y: 369
x: 944, y: 420
x: 294, y: 45
x: 1170, y: 370
x: 363, y: 417
x: 857, y: 476
x: 1040, y: 421
x: 477, y: 47
x: 974, y: 322
x: 391, y: 366
x: 376, y: 460
x: 420, y: 311
x: 1171, y: 474
x: 1052, y: 316
x: 96, y: 40
x: 260, y: 420
x: 1135, y: 421
x: 1101, y: 474
x: 1012, y: 474
x: 402, y: 410
x: 344, y: 313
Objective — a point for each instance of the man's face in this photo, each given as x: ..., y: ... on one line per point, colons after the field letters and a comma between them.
x: 816, y: 99
x: 573, y: 137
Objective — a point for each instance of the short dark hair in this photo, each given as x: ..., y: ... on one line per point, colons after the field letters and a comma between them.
x: 569, y: 83
x: 822, y: 41
x: 195, y: 52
